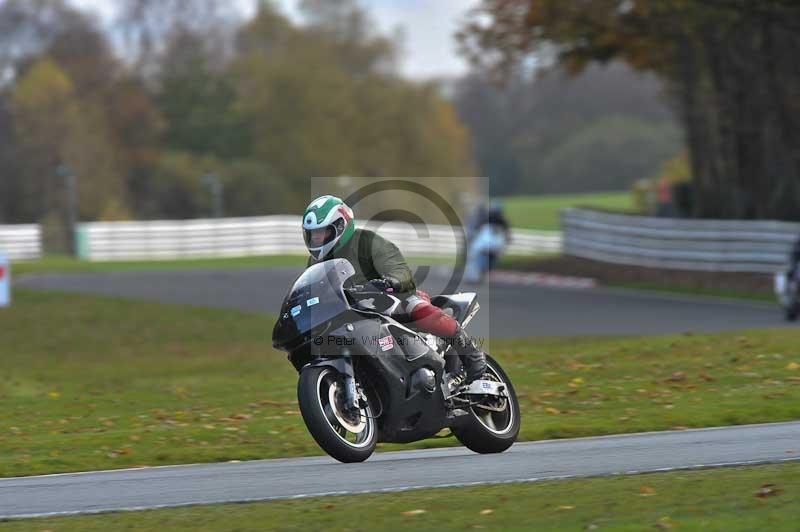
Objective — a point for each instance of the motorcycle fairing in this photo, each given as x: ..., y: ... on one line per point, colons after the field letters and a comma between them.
x: 316, y: 297
x: 409, y: 414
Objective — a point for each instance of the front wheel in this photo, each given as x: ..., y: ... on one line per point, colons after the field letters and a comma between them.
x: 493, y: 426
x: 348, y: 436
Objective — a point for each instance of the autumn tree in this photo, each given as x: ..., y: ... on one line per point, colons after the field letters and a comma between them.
x: 313, y: 113
x: 731, y: 65
x: 188, y: 88
x: 54, y: 129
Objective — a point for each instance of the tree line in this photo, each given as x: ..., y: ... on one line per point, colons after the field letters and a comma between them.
x: 730, y: 65
x: 545, y: 132
x: 174, y: 90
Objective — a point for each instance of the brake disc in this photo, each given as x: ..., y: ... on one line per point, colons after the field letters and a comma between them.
x: 353, y: 423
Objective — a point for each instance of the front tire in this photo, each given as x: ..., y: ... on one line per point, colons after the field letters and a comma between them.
x: 318, y: 392
x: 487, y: 431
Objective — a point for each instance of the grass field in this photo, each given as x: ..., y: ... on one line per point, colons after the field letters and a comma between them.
x: 96, y: 383
x: 751, y: 498
x: 62, y: 263
x: 542, y: 212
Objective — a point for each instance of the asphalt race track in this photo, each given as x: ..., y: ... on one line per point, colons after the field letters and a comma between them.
x: 507, y: 310
x: 308, y: 477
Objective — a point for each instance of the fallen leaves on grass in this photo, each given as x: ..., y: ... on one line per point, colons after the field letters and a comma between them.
x: 646, y: 491
x: 565, y: 507
x: 487, y: 511
x: 678, y: 376
x: 574, y: 383
x: 768, y: 490
x: 792, y: 366
x: 414, y: 512
x: 664, y: 523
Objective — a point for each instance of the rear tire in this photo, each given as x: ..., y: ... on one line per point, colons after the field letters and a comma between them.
x: 313, y: 396
x: 790, y: 312
x: 477, y: 436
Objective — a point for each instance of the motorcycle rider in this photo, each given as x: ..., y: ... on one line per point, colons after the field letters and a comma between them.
x: 495, y: 216
x: 329, y: 232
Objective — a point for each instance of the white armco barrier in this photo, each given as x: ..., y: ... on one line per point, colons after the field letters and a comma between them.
x: 21, y: 241
x: 268, y: 235
x: 684, y: 244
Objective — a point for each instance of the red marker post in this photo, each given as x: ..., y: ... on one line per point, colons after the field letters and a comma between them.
x: 5, y: 282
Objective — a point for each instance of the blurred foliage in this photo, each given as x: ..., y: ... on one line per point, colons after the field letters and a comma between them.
x: 675, y: 171
x: 190, y: 88
x: 547, y: 133
x: 731, y: 67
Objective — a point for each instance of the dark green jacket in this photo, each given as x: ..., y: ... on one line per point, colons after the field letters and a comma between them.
x: 374, y: 257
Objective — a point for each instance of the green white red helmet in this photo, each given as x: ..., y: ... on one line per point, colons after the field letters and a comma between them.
x: 331, y: 213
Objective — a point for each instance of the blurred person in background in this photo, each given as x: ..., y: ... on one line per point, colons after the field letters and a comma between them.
x: 794, y: 259
x: 495, y: 216
x: 489, y: 237
x: 330, y: 233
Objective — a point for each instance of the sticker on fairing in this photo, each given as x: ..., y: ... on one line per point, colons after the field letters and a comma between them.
x: 296, y: 310
x: 312, y: 301
x: 386, y: 343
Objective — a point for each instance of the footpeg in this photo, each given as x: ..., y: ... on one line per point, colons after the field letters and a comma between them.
x: 457, y: 412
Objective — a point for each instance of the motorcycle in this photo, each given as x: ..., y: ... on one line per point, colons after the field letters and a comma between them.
x: 787, y: 289
x: 365, y: 377
x: 484, y: 250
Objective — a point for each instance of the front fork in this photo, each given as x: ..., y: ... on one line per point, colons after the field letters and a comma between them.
x: 343, y: 365
x: 351, y: 394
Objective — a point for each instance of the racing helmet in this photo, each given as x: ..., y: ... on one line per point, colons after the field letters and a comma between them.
x: 327, y: 224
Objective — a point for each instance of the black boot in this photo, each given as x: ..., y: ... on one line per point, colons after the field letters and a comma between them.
x: 472, y: 359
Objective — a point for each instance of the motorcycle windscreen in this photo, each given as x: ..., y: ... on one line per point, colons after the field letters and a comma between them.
x: 316, y: 297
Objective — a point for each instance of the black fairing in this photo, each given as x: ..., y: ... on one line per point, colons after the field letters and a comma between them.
x: 316, y: 298
x: 408, y: 414
x: 382, y: 353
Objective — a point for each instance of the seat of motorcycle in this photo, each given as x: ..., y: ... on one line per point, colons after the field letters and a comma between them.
x: 456, y: 305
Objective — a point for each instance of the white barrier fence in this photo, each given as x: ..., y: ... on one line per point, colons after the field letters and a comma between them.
x: 268, y: 235
x: 700, y: 245
x: 19, y: 242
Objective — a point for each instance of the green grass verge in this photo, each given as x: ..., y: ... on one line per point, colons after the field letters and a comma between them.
x: 97, y: 383
x: 61, y: 263
x: 749, y: 498
x: 542, y: 212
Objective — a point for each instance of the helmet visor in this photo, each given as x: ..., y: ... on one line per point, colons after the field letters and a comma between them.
x: 316, y: 238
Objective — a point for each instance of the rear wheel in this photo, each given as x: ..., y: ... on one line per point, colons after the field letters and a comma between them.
x: 348, y: 436
x: 494, y: 424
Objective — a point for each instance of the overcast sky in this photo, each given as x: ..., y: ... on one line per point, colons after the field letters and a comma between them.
x: 428, y: 25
